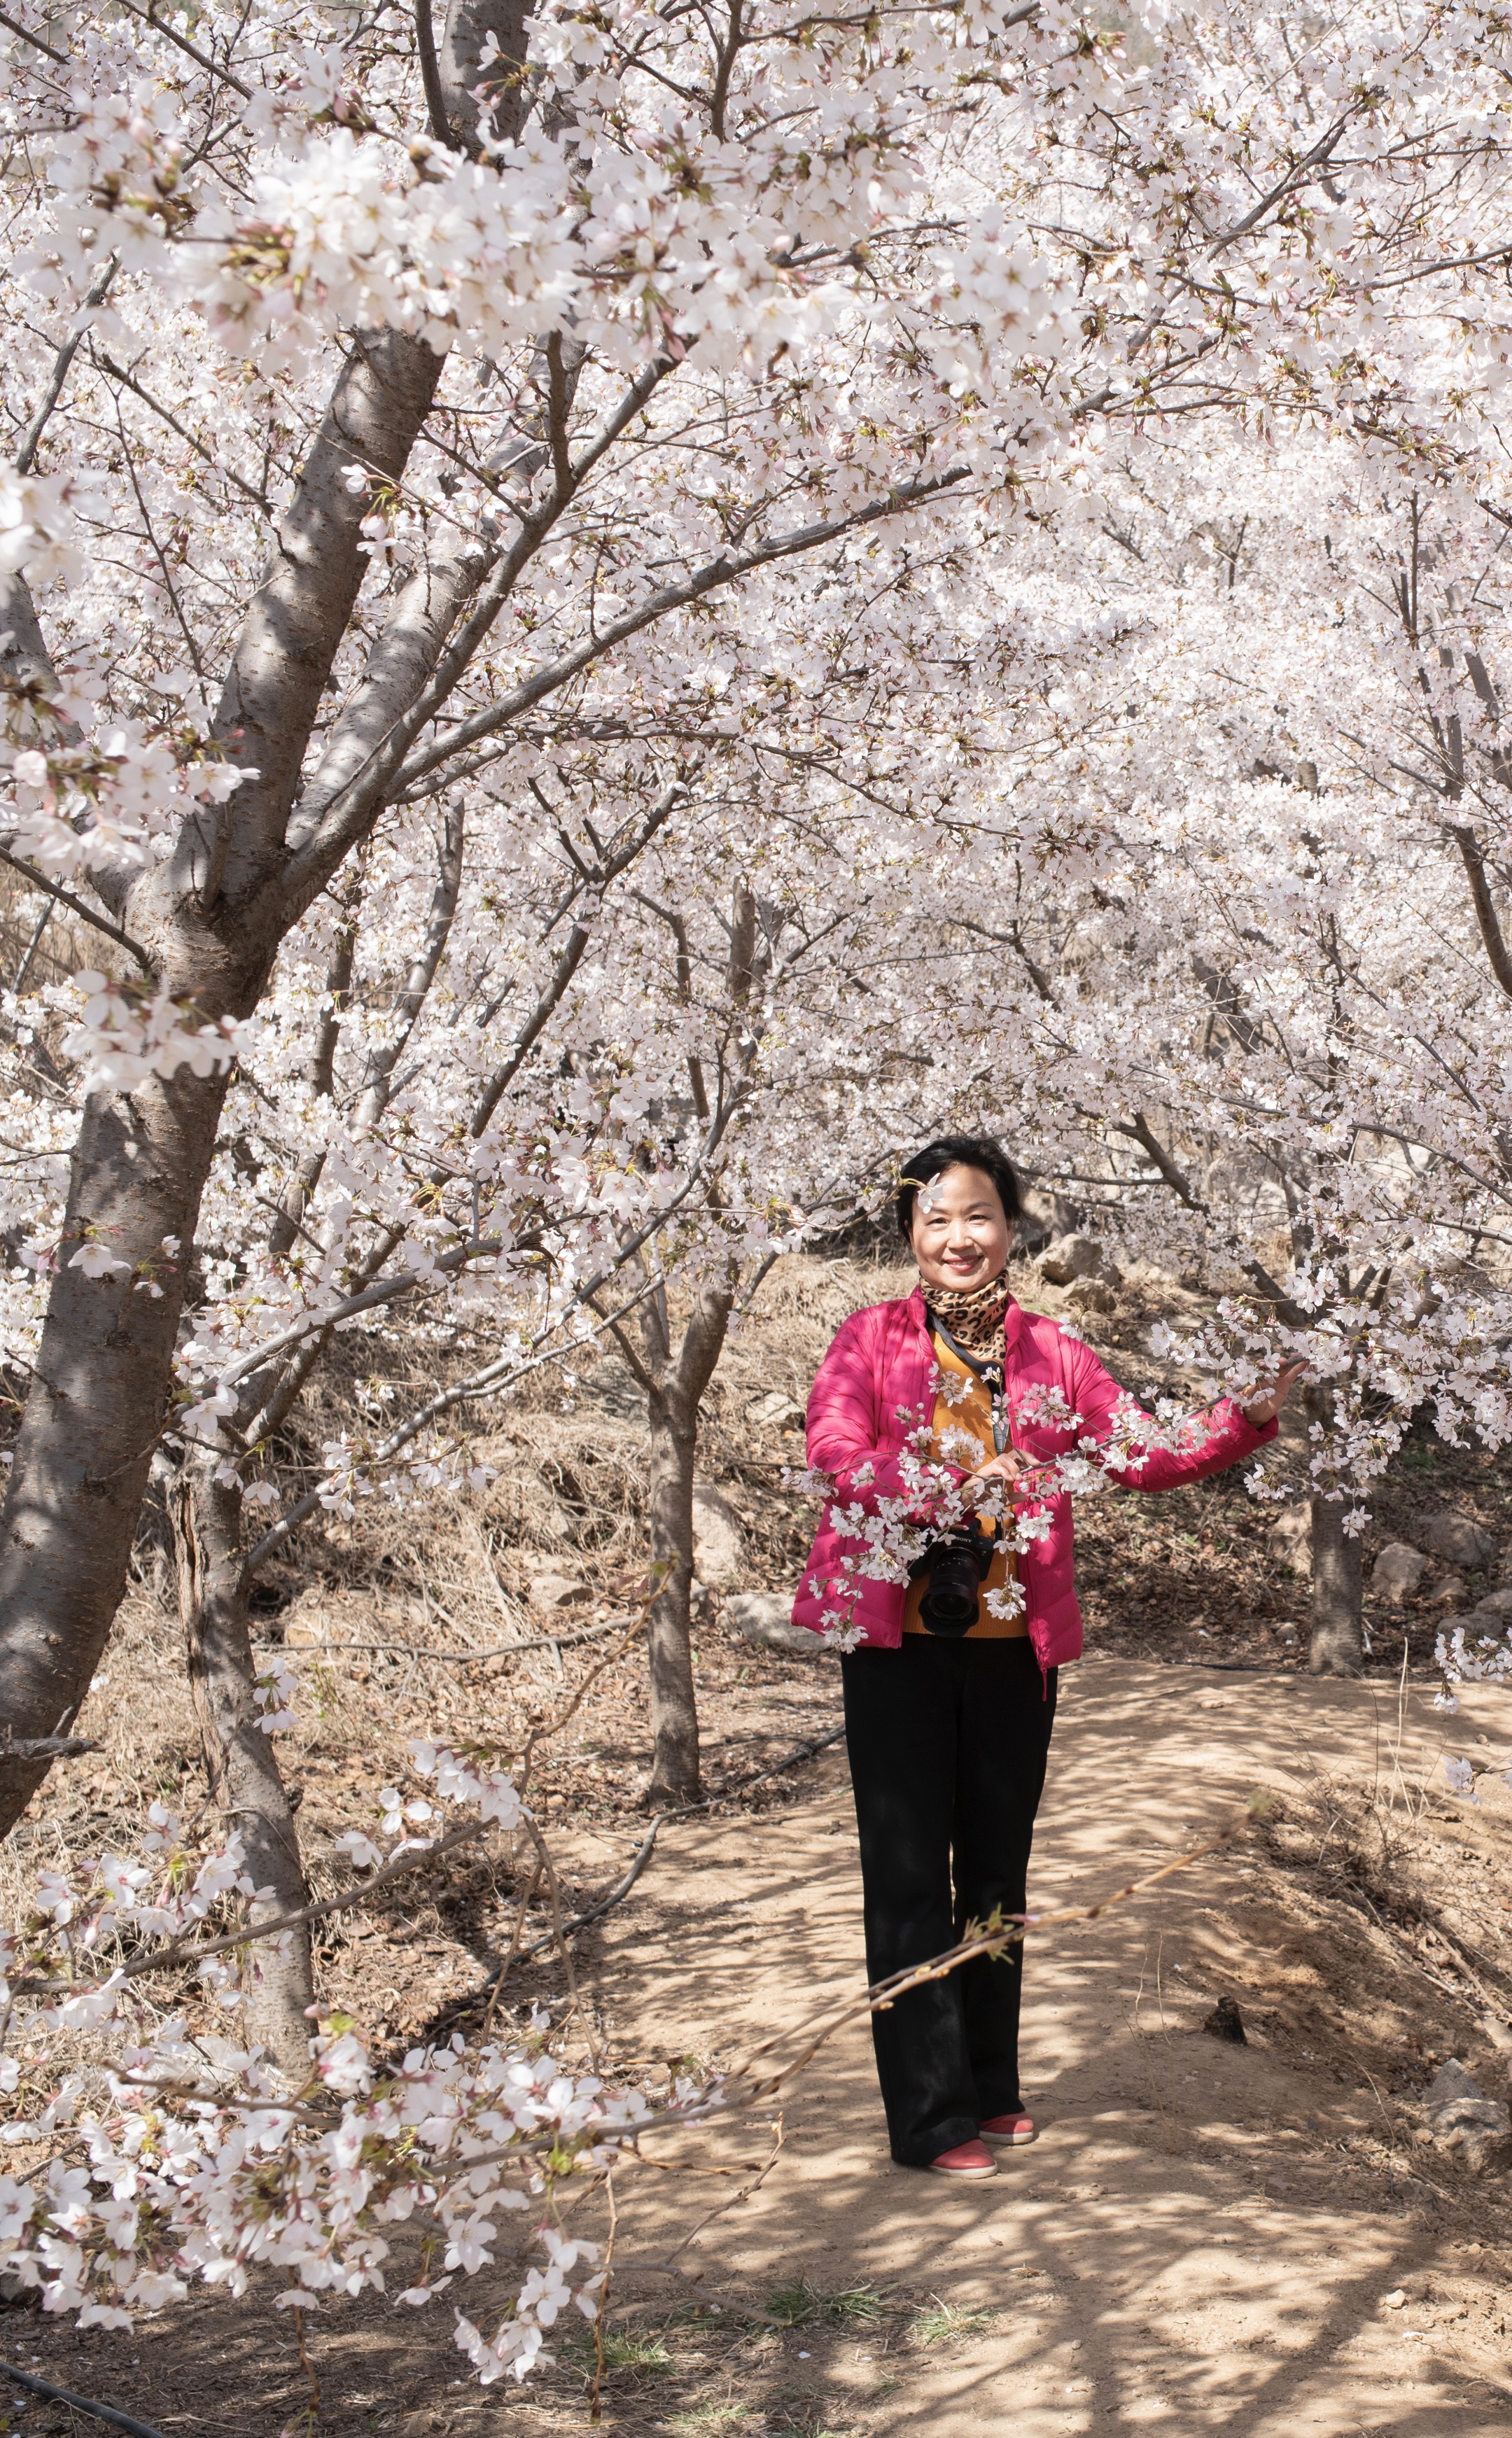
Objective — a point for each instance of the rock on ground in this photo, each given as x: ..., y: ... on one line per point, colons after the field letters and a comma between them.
x: 556, y: 1591
x: 1065, y: 1258
x: 718, y: 1542
x: 1290, y: 1536
x: 1397, y: 1571
x: 767, y: 1616
x: 1458, y: 1539
x: 1459, y: 2117
x: 1090, y: 1294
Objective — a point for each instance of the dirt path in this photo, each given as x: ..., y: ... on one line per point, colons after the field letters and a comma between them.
x: 1205, y: 2237
x: 1202, y: 2236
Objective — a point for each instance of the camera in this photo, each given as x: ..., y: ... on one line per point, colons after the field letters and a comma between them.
x: 957, y: 1567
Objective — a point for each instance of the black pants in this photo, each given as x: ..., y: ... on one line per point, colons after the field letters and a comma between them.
x: 947, y: 1745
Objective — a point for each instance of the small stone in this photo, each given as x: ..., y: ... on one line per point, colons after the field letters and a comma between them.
x: 1225, y: 2022
x: 776, y: 1412
x: 1397, y: 1571
x: 1458, y: 1539
x: 1393, y: 2301
x: 767, y: 1618
x: 1496, y: 1603
x: 718, y: 1542
x: 1462, y: 2119
x: 1450, y: 1592
x: 556, y: 1591
x: 1065, y: 1258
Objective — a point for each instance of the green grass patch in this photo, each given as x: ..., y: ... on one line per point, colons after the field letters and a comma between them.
x: 623, y: 2351
x: 646, y: 2357
x: 802, y: 2305
x: 939, y: 2322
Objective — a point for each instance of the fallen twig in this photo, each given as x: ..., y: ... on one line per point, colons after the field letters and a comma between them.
x: 456, y: 1658
x: 47, y: 1747
x: 81, y: 2403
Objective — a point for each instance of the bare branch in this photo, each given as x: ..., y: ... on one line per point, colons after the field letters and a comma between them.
x: 94, y: 294
x: 25, y: 34
x: 1486, y: 914
x: 83, y: 913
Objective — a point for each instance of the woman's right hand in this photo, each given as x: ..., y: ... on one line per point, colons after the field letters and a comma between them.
x: 1005, y: 1467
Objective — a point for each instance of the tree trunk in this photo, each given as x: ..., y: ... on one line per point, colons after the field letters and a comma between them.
x: 238, y: 1757
x: 673, y: 1702
x: 1337, y: 1646
x: 674, y: 1392
x: 98, y: 1403
x: 102, y: 1385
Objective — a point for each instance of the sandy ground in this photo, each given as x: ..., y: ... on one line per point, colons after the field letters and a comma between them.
x: 1192, y: 2243
x: 1204, y: 2236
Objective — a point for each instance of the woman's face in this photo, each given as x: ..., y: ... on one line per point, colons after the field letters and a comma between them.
x: 961, y: 1234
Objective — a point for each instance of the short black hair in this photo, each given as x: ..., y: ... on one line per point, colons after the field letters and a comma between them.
x: 956, y: 1151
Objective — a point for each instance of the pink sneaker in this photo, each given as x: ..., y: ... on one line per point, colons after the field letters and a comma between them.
x: 970, y: 2162
x: 1006, y: 2133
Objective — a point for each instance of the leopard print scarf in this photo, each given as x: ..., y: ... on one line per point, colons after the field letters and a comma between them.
x: 974, y: 1315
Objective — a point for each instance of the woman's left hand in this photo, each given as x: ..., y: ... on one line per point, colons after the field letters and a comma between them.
x: 1270, y: 1401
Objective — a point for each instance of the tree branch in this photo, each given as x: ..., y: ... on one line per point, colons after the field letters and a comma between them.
x: 25, y: 34
x: 94, y: 294
x: 424, y: 42
x: 1141, y: 1132
x: 84, y: 913
x: 680, y: 595
x: 1486, y: 914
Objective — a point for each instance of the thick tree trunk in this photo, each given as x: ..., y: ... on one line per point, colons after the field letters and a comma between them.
x: 211, y: 921
x: 1337, y: 1646
x: 98, y: 1403
x: 673, y: 1701
x: 239, y: 1759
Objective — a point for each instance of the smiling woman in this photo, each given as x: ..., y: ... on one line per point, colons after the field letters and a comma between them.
x: 950, y: 1695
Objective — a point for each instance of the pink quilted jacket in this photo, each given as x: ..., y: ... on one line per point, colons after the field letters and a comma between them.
x: 873, y: 1388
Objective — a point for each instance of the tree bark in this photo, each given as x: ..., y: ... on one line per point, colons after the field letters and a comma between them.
x: 240, y: 1763
x: 674, y: 1392
x: 462, y: 71
x: 1337, y: 1644
x: 674, y: 1697
x: 209, y: 917
x: 98, y: 1403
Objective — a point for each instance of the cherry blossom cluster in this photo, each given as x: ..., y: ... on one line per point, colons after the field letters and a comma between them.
x: 937, y: 1498
x: 172, y: 2159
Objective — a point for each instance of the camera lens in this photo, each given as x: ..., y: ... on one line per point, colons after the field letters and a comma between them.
x: 950, y: 1604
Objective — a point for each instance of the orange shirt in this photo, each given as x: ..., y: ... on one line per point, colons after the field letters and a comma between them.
x: 963, y: 1428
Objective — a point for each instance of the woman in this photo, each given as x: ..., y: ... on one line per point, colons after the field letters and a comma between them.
x: 948, y: 1729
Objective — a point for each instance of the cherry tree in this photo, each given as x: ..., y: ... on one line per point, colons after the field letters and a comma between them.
x: 385, y: 406
x: 1259, y: 1007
